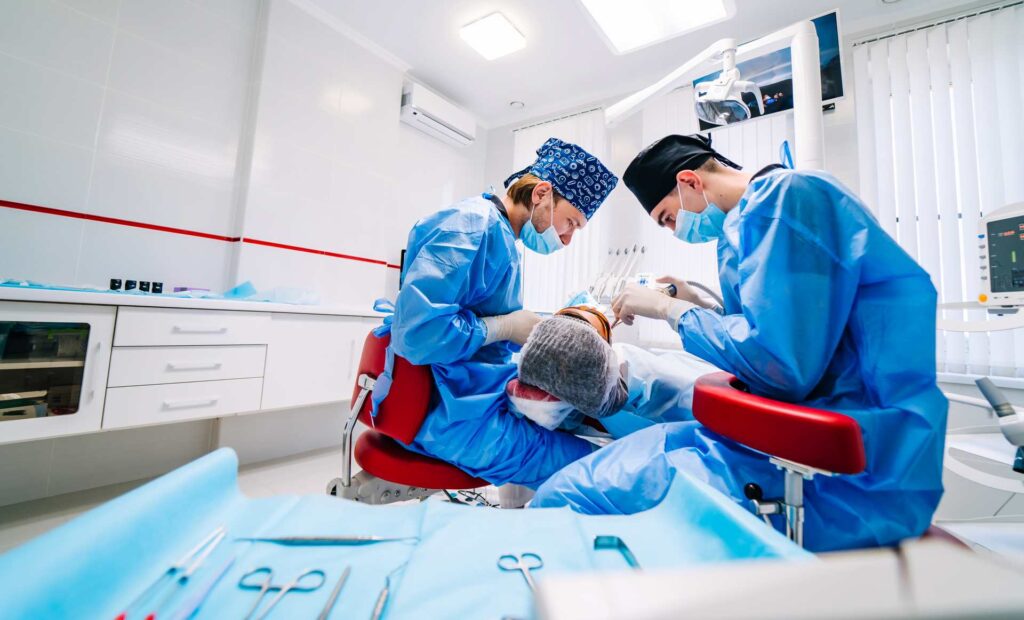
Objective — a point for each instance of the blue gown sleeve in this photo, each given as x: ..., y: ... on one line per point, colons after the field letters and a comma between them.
x: 795, y: 292
x: 430, y: 325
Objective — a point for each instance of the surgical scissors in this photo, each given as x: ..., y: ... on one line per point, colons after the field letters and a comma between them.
x: 511, y: 562
x: 308, y: 581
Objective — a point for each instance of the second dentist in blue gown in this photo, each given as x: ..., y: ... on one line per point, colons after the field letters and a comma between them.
x: 822, y: 308
x: 460, y: 309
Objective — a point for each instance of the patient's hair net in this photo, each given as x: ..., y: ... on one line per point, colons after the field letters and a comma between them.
x: 567, y: 358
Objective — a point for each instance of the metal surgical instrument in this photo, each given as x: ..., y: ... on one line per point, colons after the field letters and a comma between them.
x: 329, y: 605
x: 314, y: 541
x: 192, y: 604
x: 616, y: 543
x: 382, y: 601
x: 182, y: 569
x: 524, y: 563
x: 308, y: 581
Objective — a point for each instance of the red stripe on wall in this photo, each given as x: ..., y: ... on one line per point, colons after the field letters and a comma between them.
x: 182, y: 231
x: 112, y: 220
x: 297, y: 248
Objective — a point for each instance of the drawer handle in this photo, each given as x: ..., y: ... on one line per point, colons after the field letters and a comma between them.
x: 191, y: 404
x: 198, y: 329
x: 92, y: 373
x: 193, y: 365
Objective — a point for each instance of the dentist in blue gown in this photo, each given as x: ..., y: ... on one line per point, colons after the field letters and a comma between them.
x: 822, y: 308
x: 460, y: 309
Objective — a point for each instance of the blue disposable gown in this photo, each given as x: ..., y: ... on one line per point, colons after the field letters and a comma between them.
x: 462, y: 264
x: 822, y: 308
x: 660, y: 385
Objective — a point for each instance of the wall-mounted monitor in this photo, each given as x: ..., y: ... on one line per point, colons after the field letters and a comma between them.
x: 773, y: 72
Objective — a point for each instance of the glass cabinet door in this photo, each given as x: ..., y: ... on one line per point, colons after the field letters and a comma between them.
x: 42, y: 365
x: 54, y: 359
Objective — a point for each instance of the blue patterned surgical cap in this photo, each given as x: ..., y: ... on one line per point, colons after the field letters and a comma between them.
x: 576, y: 175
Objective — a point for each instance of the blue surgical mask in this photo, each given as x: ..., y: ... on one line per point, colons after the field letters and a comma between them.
x: 698, y: 227
x: 546, y: 242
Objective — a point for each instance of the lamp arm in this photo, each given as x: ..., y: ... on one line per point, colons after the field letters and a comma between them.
x: 619, y: 111
x: 802, y: 39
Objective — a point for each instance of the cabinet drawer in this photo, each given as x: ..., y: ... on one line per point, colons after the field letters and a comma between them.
x: 174, y: 402
x: 163, y: 326
x: 155, y: 365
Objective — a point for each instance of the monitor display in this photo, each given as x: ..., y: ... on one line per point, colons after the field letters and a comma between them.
x: 773, y: 73
x: 1006, y: 255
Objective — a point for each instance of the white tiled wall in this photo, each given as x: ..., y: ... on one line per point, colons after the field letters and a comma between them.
x: 179, y: 113
x: 332, y: 168
x: 142, y: 110
x: 128, y: 109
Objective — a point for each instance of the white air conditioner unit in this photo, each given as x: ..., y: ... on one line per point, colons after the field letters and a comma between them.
x: 433, y: 115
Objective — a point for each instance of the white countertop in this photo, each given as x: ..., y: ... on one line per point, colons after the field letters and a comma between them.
x: 8, y: 293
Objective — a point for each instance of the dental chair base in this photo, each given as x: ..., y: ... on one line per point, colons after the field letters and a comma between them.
x: 791, y: 506
x: 369, y: 489
x: 801, y: 441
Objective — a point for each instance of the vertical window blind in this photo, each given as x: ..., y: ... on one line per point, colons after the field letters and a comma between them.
x: 941, y: 143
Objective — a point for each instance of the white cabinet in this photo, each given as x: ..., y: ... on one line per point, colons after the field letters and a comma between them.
x: 167, y: 326
x: 53, y: 368
x: 60, y: 374
x: 311, y: 359
x: 177, y: 402
x: 157, y: 365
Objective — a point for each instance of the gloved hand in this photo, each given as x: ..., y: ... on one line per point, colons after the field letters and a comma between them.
x: 638, y: 300
x: 688, y: 293
x: 514, y: 326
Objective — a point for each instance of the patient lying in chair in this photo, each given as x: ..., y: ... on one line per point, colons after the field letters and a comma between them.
x: 567, y: 371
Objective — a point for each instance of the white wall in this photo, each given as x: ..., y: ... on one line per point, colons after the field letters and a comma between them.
x: 235, y: 118
x: 127, y: 110
x: 227, y: 117
x: 333, y: 169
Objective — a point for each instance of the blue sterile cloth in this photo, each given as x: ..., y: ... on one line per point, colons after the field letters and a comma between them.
x: 96, y: 564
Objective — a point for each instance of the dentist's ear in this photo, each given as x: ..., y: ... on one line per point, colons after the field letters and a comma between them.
x: 690, y: 178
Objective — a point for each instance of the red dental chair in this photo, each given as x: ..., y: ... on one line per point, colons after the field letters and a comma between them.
x: 801, y: 441
x: 390, y: 471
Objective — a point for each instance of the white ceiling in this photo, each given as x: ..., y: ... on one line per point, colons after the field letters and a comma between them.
x: 566, y: 63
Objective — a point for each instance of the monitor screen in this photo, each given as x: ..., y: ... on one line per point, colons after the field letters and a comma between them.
x: 1006, y: 255
x: 773, y: 72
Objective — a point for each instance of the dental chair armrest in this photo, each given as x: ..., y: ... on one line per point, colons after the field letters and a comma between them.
x: 815, y: 438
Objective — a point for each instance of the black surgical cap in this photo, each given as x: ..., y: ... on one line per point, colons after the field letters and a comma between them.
x: 652, y: 174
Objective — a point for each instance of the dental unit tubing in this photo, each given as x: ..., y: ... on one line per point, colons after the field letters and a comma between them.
x: 803, y: 42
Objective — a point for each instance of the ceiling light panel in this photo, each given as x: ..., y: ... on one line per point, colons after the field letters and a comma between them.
x: 628, y: 26
x: 493, y: 36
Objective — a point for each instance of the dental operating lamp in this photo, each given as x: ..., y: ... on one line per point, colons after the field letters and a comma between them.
x: 721, y: 100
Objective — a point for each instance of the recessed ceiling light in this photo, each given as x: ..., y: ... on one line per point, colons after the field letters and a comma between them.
x: 516, y: 105
x: 493, y: 36
x: 628, y: 26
